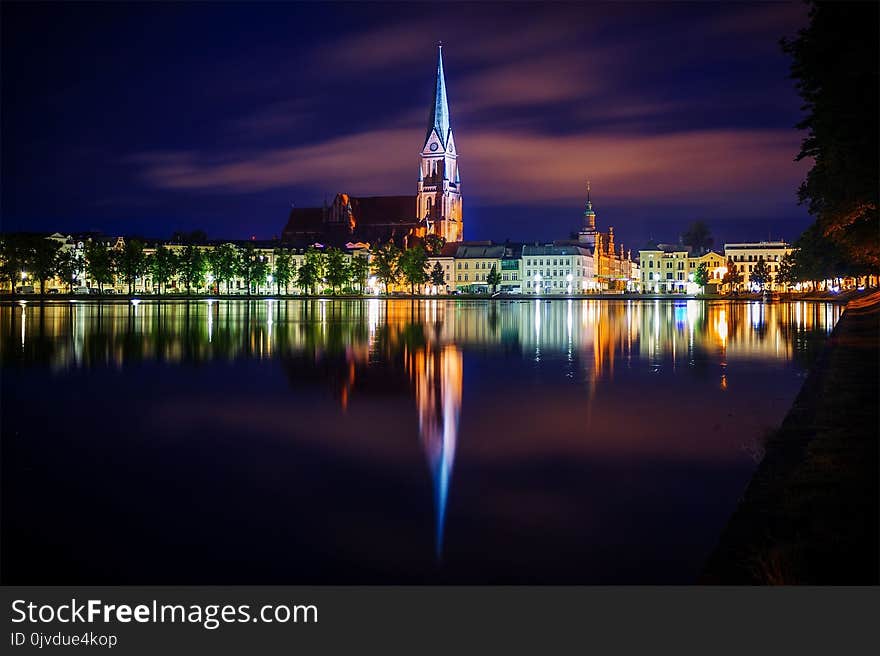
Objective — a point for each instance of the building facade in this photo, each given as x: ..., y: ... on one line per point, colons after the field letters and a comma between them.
x: 744, y: 256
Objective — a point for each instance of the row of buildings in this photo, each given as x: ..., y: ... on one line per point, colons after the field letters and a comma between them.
x: 589, y: 262
x: 564, y: 267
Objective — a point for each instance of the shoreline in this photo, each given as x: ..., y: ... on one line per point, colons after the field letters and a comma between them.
x: 843, y: 297
x: 809, y: 515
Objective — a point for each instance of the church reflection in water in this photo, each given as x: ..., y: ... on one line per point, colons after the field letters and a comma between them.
x: 414, y: 350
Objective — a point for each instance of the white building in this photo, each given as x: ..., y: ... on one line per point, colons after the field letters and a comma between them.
x: 549, y: 269
x: 746, y: 255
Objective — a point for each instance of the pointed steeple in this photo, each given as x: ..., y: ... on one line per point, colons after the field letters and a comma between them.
x: 439, y: 119
x: 589, y: 214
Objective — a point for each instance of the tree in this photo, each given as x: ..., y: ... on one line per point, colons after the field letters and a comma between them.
x: 818, y: 258
x: 413, y: 265
x: 307, y: 276
x: 315, y: 263
x: 701, y: 276
x: 131, y: 262
x: 284, y: 269
x: 732, y: 277
x: 358, y: 269
x: 493, y: 279
x: 223, y: 262
x: 163, y: 265
x: 760, y: 274
x: 834, y: 63
x: 698, y: 237
x: 42, y: 259
x: 788, y: 274
x: 438, y: 277
x: 190, y: 238
x: 14, y: 256
x: 192, y: 267
x: 68, y: 264
x: 385, y: 264
x: 335, y: 268
x: 434, y: 244
x: 99, y: 262
x: 252, y: 266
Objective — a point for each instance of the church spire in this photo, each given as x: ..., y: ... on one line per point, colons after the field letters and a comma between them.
x: 589, y: 214
x: 440, y: 108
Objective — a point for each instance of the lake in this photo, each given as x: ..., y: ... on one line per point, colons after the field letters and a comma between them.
x: 386, y: 441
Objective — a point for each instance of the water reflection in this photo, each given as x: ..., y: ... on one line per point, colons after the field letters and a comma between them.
x: 417, y: 349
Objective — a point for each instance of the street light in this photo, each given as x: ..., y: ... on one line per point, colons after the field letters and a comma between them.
x: 537, y: 281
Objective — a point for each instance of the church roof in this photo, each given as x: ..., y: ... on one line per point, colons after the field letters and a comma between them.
x: 384, y: 210
x: 306, y: 219
x: 376, y: 218
x: 439, y: 119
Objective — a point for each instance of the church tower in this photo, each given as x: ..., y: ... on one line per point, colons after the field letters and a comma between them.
x: 439, y: 192
x: 587, y: 233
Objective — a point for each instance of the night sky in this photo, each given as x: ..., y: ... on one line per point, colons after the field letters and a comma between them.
x: 143, y: 119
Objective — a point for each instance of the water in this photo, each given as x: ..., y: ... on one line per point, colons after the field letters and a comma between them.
x: 386, y: 441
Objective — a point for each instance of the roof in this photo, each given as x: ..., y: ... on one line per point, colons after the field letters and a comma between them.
x: 555, y: 249
x: 667, y: 248
x: 375, y: 219
x: 384, y: 210
x: 761, y: 245
x: 466, y: 251
x: 305, y: 219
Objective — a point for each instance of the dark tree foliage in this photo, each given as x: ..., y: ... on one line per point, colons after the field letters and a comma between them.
x: 701, y: 275
x: 818, y: 258
x: 732, y: 277
x: 413, y: 265
x: 190, y: 238
x: 438, y: 277
x: 434, y: 244
x: 698, y: 237
x: 761, y: 274
x: 835, y: 64
x: 493, y: 279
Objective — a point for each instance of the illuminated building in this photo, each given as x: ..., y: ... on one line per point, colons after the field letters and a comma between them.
x: 564, y: 269
x: 435, y: 209
x: 664, y: 268
x: 612, y: 268
x: 746, y: 255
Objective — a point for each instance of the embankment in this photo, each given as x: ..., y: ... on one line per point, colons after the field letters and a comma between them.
x: 810, y: 514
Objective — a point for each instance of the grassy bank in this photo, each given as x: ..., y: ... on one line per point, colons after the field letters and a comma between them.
x: 810, y: 514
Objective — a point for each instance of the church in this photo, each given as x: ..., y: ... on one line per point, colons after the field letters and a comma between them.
x: 434, y: 209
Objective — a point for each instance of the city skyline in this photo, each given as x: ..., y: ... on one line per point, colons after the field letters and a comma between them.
x: 579, y: 92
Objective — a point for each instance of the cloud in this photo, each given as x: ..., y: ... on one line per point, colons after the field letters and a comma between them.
x: 515, y: 80
x: 505, y: 167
